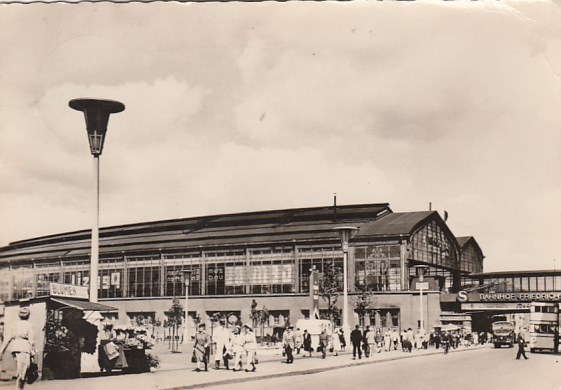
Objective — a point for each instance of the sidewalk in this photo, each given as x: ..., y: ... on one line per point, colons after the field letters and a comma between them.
x: 176, y: 371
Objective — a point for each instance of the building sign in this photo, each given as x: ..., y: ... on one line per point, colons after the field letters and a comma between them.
x: 314, y: 293
x: 463, y: 297
x: 496, y: 306
x: 68, y: 291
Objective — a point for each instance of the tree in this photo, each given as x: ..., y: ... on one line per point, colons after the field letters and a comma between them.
x: 363, y: 302
x: 174, y: 321
x: 259, y: 317
x: 330, y: 291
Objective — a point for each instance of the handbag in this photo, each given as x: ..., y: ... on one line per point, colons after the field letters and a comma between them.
x: 32, y: 373
x: 194, y: 358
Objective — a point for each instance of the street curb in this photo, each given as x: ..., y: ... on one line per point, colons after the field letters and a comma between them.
x: 308, y: 371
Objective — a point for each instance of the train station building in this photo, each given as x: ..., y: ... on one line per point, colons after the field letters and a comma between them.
x: 269, y: 257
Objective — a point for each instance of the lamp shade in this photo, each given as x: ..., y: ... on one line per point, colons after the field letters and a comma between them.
x: 187, y: 278
x: 345, y: 233
x: 96, y: 113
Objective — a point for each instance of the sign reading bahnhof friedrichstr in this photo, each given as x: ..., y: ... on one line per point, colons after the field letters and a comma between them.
x: 464, y: 296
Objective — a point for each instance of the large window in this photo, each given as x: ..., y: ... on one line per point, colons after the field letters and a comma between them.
x: 471, y: 261
x: 5, y: 284
x: 45, y: 274
x: 215, y: 271
x: 271, y: 271
x: 144, y: 276
x: 431, y: 245
x: 23, y: 281
x: 318, y: 259
x: 378, y: 267
x: 175, y: 265
x: 77, y: 272
x: 110, y: 280
x: 383, y: 318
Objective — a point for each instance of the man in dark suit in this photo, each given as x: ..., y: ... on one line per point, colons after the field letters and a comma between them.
x: 356, y: 340
x: 521, y: 344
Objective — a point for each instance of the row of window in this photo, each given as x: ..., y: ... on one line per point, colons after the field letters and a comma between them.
x: 524, y: 283
x: 269, y: 271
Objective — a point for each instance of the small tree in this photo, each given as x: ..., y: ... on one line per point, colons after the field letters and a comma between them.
x: 174, y: 321
x: 363, y: 302
x: 259, y: 317
x: 330, y: 291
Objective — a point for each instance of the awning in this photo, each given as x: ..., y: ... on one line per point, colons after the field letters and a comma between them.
x: 83, y: 305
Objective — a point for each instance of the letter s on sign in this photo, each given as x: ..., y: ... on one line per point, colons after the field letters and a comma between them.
x: 462, y: 296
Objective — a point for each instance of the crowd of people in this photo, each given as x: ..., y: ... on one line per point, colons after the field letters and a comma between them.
x: 236, y: 349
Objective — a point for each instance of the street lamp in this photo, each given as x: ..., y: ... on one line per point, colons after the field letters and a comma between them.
x: 420, y: 269
x: 187, y: 281
x: 345, y: 235
x: 96, y: 113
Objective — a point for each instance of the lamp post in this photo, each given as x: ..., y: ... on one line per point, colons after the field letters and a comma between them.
x: 96, y: 113
x: 345, y: 236
x: 187, y: 281
x: 420, y: 286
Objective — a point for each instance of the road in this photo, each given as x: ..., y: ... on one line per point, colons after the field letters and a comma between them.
x: 487, y: 368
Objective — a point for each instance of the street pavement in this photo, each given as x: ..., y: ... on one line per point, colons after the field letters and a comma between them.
x: 177, y: 372
x: 487, y: 368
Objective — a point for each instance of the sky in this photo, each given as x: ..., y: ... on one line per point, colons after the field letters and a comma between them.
x: 238, y: 107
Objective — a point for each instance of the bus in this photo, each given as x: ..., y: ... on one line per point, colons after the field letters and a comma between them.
x: 503, y: 333
x: 544, y: 326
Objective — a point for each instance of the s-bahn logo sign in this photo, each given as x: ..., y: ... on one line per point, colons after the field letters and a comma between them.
x: 464, y: 296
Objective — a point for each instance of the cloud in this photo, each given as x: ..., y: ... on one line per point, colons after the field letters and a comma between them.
x: 239, y: 107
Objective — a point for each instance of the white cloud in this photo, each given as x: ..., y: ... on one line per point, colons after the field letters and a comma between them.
x: 245, y: 107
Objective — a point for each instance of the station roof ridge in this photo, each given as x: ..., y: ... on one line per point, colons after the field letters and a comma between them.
x: 393, y: 224
x: 246, y: 220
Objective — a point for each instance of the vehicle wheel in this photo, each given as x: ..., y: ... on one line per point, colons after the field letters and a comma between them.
x: 532, y: 350
x: 496, y: 345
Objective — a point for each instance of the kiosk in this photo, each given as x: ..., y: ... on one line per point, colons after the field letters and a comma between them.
x: 65, y: 326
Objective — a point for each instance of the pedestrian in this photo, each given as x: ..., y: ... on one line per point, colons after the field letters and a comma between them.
x: 288, y: 342
x: 201, y: 347
x: 395, y: 339
x: 410, y: 339
x: 250, y: 347
x: 336, y: 342
x: 22, y: 345
x: 371, y: 341
x: 237, y: 342
x: 436, y: 340
x: 222, y: 339
x: 365, y: 344
x: 445, y: 338
x: 379, y: 340
x: 521, y: 345
x: 342, y: 340
x: 323, y: 342
x: 307, y: 342
x: 387, y: 340
x: 454, y: 340
x: 298, y: 340
x: 356, y: 341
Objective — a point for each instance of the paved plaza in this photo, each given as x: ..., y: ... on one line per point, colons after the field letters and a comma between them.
x: 177, y: 372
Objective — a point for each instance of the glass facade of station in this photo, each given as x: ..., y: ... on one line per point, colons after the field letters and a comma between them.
x: 249, y: 271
